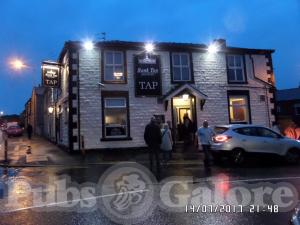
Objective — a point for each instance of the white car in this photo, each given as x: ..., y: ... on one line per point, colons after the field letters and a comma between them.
x: 237, y: 140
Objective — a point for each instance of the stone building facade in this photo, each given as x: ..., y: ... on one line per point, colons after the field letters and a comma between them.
x: 103, y: 104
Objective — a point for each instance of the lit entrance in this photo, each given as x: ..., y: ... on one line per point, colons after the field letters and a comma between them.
x: 184, y: 99
x: 183, y: 105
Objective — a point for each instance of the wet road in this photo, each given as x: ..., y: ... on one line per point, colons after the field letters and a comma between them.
x: 224, y: 177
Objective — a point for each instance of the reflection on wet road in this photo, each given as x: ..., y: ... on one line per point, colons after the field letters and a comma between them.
x: 222, y: 178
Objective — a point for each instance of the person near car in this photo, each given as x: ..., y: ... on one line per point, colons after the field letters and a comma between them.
x: 152, y: 137
x: 29, y: 131
x: 167, y: 143
x: 205, y: 134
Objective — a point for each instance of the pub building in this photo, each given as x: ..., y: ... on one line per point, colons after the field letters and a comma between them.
x: 109, y: 90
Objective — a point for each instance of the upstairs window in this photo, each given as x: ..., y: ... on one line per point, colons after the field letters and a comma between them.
x: 181, y: 67
x: 236, y: 71
x: 114, y: 71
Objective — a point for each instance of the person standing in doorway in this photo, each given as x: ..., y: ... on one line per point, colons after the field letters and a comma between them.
x: 167, y: 143
x: 152, y: 137
x: 205, y: 134
x: 29, y: 131
x: 187, y: 130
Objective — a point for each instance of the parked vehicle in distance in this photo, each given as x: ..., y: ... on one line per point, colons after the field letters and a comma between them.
x: 237, y: 140
x: 14, y: 131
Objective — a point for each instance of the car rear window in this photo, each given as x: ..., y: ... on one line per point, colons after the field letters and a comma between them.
x: 249, y: 131
x: 220, y: 130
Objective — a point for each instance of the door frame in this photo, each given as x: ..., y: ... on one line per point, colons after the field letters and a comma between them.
x: 193, y: 112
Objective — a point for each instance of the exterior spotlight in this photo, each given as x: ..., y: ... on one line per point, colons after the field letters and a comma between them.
x: 185, y: 97
x: 88, y: 45
x: 50, y: 109
x: 149, y: 47
x: 213, y: 48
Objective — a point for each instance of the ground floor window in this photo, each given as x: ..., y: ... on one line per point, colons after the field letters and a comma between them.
x: 239, y: 110
x: 115, y: 115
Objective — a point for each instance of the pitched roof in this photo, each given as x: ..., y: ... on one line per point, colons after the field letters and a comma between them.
x: 182, y: 88
x: 288, y: 94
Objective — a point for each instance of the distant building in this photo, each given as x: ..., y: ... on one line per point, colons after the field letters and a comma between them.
x: 288, y: 104
x: 27, y: 114
x: 34, y: 111
x: 108, y: 93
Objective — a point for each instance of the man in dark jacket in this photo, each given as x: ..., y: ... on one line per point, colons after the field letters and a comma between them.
x: 152, y: 137
x: 29, y: 131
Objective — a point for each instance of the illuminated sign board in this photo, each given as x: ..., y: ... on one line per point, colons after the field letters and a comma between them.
x: 147, y: 75
x: 51, y: 74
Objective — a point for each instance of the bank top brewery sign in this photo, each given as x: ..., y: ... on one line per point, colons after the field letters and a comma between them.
x: 50, y: 74
x: 147, y: 75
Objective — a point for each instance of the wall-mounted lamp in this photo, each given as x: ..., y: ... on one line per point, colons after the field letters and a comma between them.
x: 50, y: 109
x: 185, y: 97
x: 149, y: 47
x: 88, y: 45
x: 213, y: 48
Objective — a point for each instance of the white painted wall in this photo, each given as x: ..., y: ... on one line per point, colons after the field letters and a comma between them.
x: 210, y: 77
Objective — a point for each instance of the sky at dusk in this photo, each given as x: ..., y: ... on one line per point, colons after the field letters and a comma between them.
x: 35, y: 30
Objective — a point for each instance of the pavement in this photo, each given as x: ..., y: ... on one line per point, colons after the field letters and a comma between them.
x: 40, y: 152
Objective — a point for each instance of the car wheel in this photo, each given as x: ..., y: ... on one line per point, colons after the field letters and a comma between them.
x: 238, y: 156
x: 292, y: 156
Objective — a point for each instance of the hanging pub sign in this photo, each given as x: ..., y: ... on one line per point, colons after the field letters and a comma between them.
x: 147, y: 75
x: 50, y: 74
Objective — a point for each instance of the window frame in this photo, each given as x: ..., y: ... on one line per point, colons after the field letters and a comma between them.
x: 103, y: 65
x: 243, y: 67
x: 115, y: 95
x: 232, y: 93
x: 190, y: 66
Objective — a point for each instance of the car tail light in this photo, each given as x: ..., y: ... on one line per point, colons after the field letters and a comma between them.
x: 221, y: 138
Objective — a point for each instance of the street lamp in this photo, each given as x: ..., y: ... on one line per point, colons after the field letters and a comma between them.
x: 17, y: 64
x: 1, y: 113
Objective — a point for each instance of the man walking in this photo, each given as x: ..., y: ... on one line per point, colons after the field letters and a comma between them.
x: 205, y: 134
x: 29, y: 131
x: 152, y: 137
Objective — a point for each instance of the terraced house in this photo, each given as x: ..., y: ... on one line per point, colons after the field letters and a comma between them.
x: 110, y: 89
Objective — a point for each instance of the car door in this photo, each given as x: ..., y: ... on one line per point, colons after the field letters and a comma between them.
x: 268, y: 141
x: 248, y: 139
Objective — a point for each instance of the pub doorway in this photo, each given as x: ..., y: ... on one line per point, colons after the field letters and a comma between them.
x: 182, y: 105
